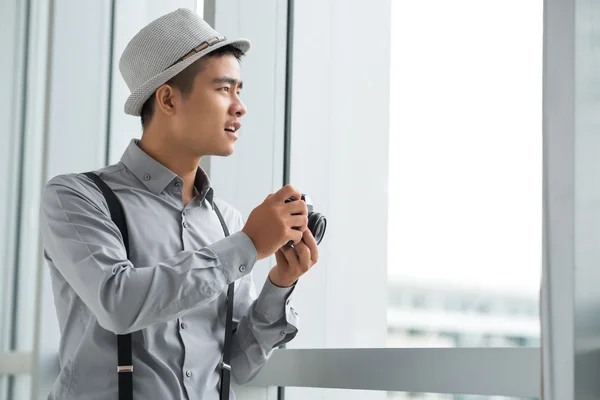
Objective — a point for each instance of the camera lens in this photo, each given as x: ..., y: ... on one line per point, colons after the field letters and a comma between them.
x: 317, y: 224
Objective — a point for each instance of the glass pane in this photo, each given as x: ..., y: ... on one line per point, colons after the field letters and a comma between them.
x: 464, y: 253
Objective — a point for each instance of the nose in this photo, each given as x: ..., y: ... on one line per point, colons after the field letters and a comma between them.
x: 238, y: 108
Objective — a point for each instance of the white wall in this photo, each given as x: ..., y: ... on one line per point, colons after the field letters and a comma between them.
x: 339, y: 157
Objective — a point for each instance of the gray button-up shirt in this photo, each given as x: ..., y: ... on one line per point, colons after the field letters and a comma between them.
x: 170, y: 294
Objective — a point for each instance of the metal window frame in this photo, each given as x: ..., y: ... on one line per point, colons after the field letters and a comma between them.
x: 479, y: 371
x: 570, y: 298
x: 9, y: 247
x: 16, y: 363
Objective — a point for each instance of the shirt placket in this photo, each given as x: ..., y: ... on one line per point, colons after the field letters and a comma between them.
x: 189, y: 374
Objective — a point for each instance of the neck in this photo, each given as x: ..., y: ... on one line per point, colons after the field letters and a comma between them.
x: 175, y: 159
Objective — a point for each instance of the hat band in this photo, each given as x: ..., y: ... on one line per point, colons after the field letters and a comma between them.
x: 200, y: 47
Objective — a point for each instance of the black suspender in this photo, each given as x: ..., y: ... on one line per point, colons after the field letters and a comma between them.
x: 124, y: 357
x: 226, y: 362
x: 124, y: 351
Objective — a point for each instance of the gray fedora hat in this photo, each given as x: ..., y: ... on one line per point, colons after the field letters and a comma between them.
x: 164, y: 48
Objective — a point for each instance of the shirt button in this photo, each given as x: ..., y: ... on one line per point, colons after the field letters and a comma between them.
x: 188, y: 373
x: 243, y: 268
x: 183, y: 213
x: 177, y: 184
x: 185, y: 224
x: 183, y: 325
x: 147, y: 177
x: 283, y: 333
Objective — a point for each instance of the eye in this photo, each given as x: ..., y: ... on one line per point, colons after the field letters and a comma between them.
x: 225, y: 89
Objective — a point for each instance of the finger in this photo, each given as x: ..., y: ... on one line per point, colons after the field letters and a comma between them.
x: 285, y: 193
x: 311, y: 242
x: 298, y: 221
x: 294, y: 235
x: 304, y: 256
x: 290, y: 256
x: 279, y: 255
x: 296, y: 207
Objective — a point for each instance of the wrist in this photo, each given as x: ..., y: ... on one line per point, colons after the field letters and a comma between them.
x: 259, y: 255
x: 279, y: 278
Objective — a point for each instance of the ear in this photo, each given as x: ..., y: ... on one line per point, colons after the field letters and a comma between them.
x: 166, y: 99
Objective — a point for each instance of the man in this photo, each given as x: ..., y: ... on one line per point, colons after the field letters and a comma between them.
x: 171, y: 293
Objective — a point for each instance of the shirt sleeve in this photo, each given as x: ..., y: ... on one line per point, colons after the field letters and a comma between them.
x: 87, y: 249
x: 269, y: 322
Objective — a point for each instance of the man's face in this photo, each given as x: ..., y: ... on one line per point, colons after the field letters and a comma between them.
x: 208, y: 118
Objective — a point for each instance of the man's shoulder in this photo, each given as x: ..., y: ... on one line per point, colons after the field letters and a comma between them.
x: 78, y: 180
x: 74, y: 184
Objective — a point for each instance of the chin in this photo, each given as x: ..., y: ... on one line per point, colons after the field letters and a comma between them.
x: 226, y: 152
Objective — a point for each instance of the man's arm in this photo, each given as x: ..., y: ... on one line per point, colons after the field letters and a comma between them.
x: 269, y: 322
x: 87, y: 249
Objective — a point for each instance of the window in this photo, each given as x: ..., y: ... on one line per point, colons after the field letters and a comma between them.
x: 465, y: 168
x: 424, y: 152
x: 22, y: 119
x: 434, y: 207
x: 442, y: 205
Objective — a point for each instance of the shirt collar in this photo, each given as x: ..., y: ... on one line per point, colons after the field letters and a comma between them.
x: 203, y: 186
x: 155, y: 176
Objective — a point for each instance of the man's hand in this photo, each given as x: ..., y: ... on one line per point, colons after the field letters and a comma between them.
x: 293, y: 262
x: 271, y: 224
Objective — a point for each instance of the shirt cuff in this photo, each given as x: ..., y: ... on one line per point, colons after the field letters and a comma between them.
x: 236, y: 254
x: 274, y: 302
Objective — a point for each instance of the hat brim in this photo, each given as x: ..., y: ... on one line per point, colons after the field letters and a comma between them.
x: 135, y: 102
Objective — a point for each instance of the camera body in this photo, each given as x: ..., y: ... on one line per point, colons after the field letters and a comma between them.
x: 317, y: 223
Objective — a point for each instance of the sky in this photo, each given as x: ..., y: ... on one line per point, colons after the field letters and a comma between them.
x: 465, y: 181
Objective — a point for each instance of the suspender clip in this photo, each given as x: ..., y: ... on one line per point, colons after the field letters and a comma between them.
x: 225, y: 366
x: 124, y: 368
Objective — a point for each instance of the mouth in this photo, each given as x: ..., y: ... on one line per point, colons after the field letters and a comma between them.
x: 232, y: 129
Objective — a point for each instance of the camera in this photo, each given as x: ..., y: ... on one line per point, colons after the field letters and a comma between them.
x: 317, y: 223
